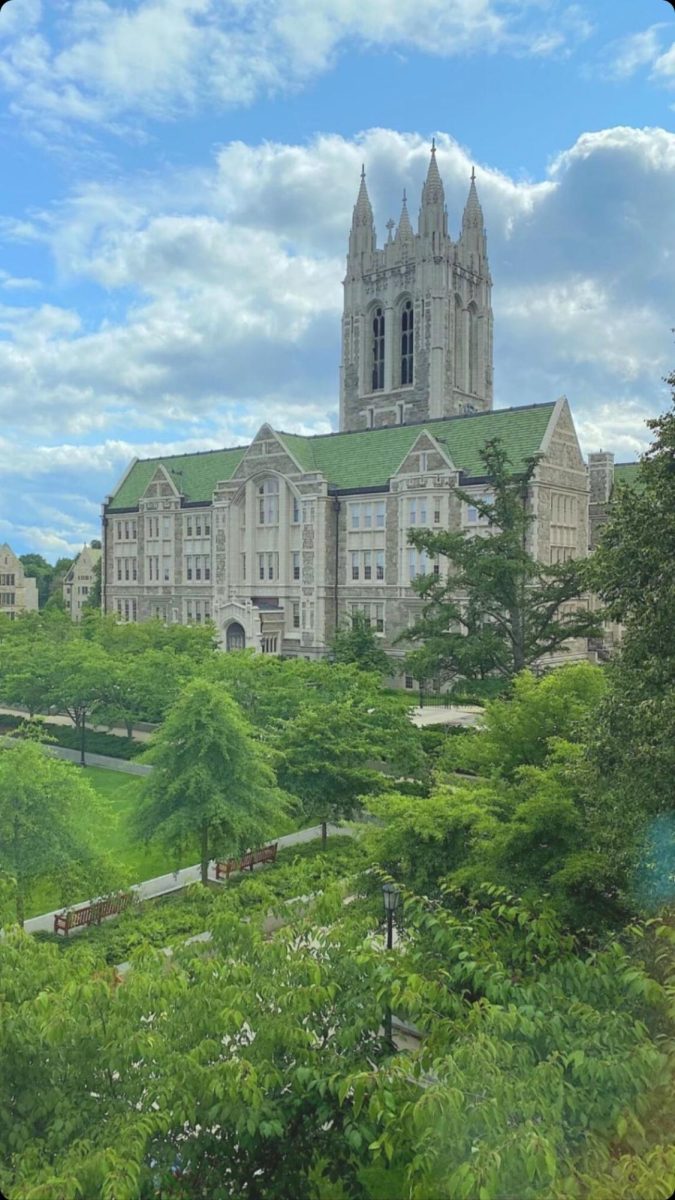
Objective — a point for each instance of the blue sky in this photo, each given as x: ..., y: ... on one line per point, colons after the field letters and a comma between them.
x: 176, y: 185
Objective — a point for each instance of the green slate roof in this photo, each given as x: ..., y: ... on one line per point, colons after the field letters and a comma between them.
x: 195, y: 475
x: 628, y: 473
x: 371, y: 457
x: 354, y: 460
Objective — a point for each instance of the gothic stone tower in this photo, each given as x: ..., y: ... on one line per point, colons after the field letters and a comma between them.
x: 417, y: 323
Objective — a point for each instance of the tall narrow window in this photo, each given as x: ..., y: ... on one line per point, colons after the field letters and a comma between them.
x: 407, y: 318
x: 473, y: 349
x: 378, y: 350
x: 268, y: 502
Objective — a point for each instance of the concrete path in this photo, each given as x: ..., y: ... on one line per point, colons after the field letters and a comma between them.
x: 138, y: 735
x: 454, y: 714
x: 92, y: 760
x: 128, y: 767
x: 164, y: 885
x: 430, y: 714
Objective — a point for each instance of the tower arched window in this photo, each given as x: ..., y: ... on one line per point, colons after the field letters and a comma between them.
x: 407, y: 352
x: 460, y: 380
x: 268, y: 502
x: 378, y: 350
x: 473, y: 349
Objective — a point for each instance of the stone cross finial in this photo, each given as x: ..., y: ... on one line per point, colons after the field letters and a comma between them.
x: 390, y: 225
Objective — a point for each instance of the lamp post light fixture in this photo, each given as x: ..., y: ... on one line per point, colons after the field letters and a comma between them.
x: 391, y: 896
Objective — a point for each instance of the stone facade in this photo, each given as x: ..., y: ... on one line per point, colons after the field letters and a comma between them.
x: 18, y: 591
x: 417, y: 322
x: 283, y: 549
x: 80, y: 581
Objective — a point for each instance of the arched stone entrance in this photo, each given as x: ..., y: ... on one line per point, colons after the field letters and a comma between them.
x: 235, y: 637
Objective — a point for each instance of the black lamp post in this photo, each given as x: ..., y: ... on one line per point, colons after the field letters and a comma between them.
x: 391, y: 896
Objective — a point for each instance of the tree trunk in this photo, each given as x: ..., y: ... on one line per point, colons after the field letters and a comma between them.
x: 517, y: 640
x: 83, y: 735
x: 324, y: 834
x: 20, y: 906
x: 205, y: 853
x: 130, y: 729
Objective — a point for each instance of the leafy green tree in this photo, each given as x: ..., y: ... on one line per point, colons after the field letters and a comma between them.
x: 357, y: 643
x: 336, y: 752
x: 78, y: 683
x: 255, y: 1065
x: 517, y: 731
x: 47, y: 812
x: 142, y: 687
x: 632, y: 748
x: 514, y: 609
x: 37, y: 568
x: 211, y: 779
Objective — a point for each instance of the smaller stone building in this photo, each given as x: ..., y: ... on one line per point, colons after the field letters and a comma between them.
x: 604, y: 474
x: 80, y: 581
x: 18, y: 591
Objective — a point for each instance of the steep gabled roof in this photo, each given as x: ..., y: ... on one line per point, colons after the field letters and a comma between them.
x: 370, y: 457
x: 195, y: 475
x: 367, y: 458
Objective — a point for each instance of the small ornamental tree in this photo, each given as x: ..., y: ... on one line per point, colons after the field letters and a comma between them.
x: 211, y: 781
x: 496, y: 608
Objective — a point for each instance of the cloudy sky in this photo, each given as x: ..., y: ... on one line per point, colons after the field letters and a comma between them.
x: 176, y: 186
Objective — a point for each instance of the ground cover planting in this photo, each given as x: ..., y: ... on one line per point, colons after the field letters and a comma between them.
x: 170, y: 920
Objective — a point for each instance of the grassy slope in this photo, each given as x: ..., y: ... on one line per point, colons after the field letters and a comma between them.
x: 121, y: 794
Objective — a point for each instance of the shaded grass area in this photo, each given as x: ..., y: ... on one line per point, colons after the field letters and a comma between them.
x: 68, y: 737
x: 115, y: 837
x: 170, y: 920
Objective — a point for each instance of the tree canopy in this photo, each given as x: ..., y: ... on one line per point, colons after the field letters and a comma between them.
x: 495, y: 608
x: 211, y: 781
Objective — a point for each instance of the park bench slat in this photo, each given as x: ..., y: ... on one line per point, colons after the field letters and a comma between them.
x: 247, y: 861
x: 91, y: 914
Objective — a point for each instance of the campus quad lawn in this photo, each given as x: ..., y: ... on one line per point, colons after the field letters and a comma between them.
x: 121, y: 794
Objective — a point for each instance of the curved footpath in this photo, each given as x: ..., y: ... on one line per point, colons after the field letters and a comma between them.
x: 164, y: 885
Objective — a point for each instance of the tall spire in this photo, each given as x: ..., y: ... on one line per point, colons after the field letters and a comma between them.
x: 404, y: 233
x: 432, y: 211
x: 473, y: 213
x: 473, y: 242
x: 362, y: 236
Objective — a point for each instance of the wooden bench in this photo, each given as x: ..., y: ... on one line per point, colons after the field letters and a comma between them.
x: 247, y: 862
x: 91, y: 914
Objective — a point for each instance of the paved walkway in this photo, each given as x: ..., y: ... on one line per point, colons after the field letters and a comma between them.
x: 164, y: 885
x: 453, y: 714
x: 91, y: 760
x: 138, y: 735
x: 430, y: 714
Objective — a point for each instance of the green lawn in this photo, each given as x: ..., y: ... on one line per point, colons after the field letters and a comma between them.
x: 120, y: 794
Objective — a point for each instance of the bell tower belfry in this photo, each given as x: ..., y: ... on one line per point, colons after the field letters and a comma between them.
x: 417, y: 320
